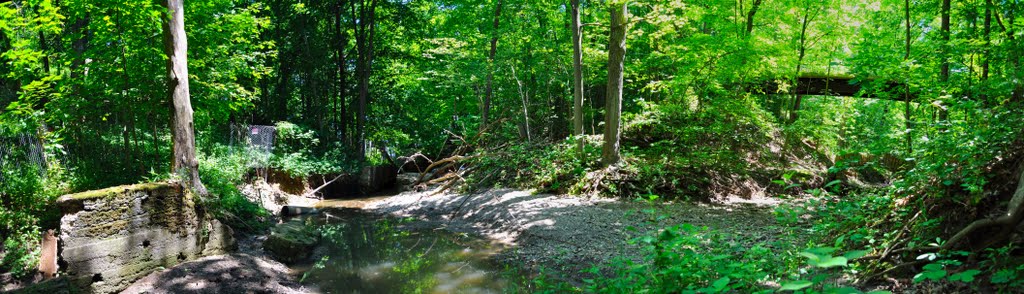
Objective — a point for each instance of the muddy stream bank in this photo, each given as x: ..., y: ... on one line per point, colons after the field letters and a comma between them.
x: 486, y: 242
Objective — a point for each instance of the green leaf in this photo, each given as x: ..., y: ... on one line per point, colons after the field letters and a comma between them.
x: 832, y: 262
x: 1003, y: 276
x: 855, y: 254
x: 797, y: 285
x: 930, y: 274
x: 964, y: 276
x: 814, y: 258
x: 720, y: 284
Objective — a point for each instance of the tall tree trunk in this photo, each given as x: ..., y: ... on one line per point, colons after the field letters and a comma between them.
x: 365, y: 32
x: 489, y: 88
x: 46, y: 55
x: 613, y: 106
x: 987, y: 31
x: 577, y: 74
x: 524, y: 96
x: 46, y: 66
x: 1012, y: 59
x: 339, y: 103
x: 1018, y: 89
x: 80, y: 26
x: 944, y: 70
x: 184, y: 162
x: 750, y: 16
x: 985, y: 55
x: 906, y: 84
x: 808, y: 17
x: 125, y: 87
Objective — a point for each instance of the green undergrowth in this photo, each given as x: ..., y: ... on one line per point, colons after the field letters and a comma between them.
x: 668, y: 149
x: 223, y: 171
x: 962, y: 171
x: 685, y: 258
x: 27, y: 197
x: 300, y: 152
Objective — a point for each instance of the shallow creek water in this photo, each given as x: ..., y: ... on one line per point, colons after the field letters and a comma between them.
x: 363, y: 253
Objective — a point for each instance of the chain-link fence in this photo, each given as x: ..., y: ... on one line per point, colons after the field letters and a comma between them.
x: 22, y: 151
x: 258, y: 144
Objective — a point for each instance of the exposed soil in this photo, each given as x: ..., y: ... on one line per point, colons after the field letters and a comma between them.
x: 570, y: 234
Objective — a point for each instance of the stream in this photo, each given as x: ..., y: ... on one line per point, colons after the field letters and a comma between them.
x: 360, y: 252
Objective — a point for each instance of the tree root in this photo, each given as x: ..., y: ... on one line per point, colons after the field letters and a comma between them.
x: 1013, y: 218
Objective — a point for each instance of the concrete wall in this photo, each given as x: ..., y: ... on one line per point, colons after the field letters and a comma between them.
x: 376, y: 178
x: 112, y: 237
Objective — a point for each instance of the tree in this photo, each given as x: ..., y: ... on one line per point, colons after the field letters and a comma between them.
x: 184, y: 161
x: 944, y: 70
x: 489, y: 88
x: 906, y: 84
x: 340, y: 115
x: 808, y: 18
x: 577, y: 75
x: 750, y: 16
x: 613, y: 105
x: 365, y: 29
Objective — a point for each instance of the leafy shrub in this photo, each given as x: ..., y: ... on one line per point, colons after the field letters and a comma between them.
x: 222, y: 172
x: 26, y: 208
x: 299, y: 153
x: 687, y: 259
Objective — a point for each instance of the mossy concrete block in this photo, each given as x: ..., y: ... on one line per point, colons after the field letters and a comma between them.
x: 115, y: 236
x: 291, y: 241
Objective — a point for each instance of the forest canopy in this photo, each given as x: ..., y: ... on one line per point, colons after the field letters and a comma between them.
x: 901, y: 118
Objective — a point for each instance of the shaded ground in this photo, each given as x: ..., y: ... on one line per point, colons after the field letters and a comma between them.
x: 570, y: 234
x: 247, y: 271
x: 233, y: 273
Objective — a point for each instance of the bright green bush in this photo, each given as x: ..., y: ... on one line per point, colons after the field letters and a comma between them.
x: 298, y: 151
x: 688, y: 259
x: 27, y: 198
x: 222, y: 171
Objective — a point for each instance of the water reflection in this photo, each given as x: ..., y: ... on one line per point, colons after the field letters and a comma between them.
x: 365, y: 254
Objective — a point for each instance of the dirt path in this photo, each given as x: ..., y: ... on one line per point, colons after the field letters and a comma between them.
x: 570, y: 234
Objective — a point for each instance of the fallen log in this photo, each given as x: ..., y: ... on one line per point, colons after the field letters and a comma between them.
x: 307, y: 194
x: 441, y: 163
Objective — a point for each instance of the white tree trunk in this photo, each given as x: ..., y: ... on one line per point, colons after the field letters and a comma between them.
x: 184, y: 162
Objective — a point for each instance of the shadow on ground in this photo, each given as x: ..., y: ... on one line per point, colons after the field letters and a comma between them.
x: 571, y: 234
x: 234, y: 273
